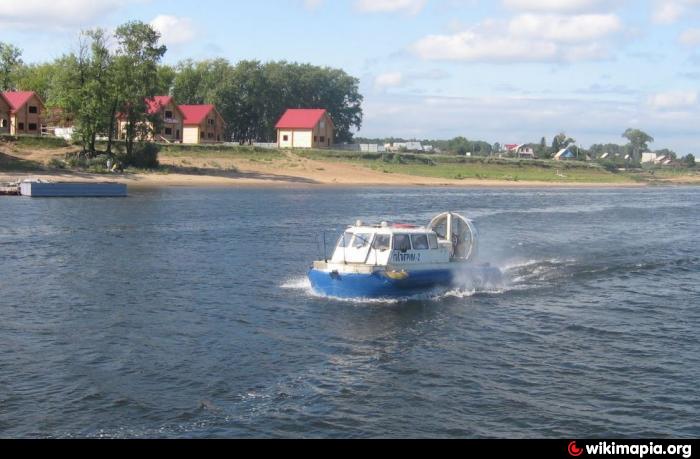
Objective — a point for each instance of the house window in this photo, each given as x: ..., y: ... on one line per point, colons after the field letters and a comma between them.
x: 21, y: 126
x: 201, y: 135
x: 323, y: 139
x: 211, y: 135
x: 168, y: 131
x: 33, y: 109
x: 3, y: 123
x: 32, y: 126
x: 169, y: 115
x: 315, y: 139
x: 285, y: 138
x: 211, y: 122
x: 323, y: 124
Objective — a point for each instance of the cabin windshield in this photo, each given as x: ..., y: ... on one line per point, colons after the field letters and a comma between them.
x: 361, y: 241
x: 345, y: 240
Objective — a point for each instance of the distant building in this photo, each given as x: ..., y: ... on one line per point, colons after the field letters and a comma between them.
x: 404, y: 146
x: 22, y: 114
x: 520, y: 151
x: 169, y: 121
x: 202, y: 124
x: 648, y: 157
x: 4, y: 115
x: 305, y: 128
x: 565, y: 154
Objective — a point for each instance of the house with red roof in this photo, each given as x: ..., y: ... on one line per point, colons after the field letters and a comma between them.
x: 4, y: 115
x: 167, y: 125
x: 305, y: 128
x: 23, y: 113
x: 202, y: 124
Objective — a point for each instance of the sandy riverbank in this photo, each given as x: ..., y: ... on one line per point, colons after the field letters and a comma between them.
x: 286, y: 171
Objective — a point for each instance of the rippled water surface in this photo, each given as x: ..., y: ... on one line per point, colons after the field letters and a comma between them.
x: 186, y: 313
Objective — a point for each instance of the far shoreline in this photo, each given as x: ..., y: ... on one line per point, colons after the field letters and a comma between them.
x: 164, y: 181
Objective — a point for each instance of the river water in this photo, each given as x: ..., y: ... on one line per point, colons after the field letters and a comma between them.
x: 186, y: 313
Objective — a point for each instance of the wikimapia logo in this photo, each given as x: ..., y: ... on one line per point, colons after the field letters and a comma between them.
x: 638, y: 450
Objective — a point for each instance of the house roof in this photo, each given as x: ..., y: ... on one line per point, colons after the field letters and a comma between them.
x: 158, y: 103
x: 17, y: 99
x: 295, y: 118
x: 195, y: 114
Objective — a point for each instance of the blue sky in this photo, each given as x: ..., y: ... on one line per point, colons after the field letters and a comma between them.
x: 508, y: 71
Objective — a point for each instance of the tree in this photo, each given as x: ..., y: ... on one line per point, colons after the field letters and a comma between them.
x: 689, y: 160
x: 136, y: 77
x: 560, y: 142
x: 639, y: 140
x: 10, y: 61
x: 542, y: 149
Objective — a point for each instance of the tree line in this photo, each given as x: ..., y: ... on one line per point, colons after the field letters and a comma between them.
x: 638, y: 143
x: 114, y: 74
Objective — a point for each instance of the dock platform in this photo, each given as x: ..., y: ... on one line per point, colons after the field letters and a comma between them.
x: 73, y: 190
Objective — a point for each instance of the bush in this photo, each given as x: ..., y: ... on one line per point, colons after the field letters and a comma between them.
x: 56, y: 163
x: 144, y: 156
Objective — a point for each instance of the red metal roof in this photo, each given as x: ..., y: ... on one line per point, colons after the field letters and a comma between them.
x: 300, y: 118
x: 195, y: 114
x: 18, y: 99
x: 156, y: 104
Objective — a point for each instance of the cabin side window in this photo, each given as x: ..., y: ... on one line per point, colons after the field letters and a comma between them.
x: 432, y: 239
x: 420, y: 242
x: 402, y: 242
x: 382, y: 242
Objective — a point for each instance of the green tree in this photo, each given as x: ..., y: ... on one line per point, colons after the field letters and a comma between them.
x: 10, y: 61
x: 689, y: 160
x: 136, y: 78
x: 639, y: 140
x: 38, y: 78
x: 560, y: 142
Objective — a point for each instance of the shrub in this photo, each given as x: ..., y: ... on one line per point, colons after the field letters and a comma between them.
x: 144, y: 156
x: 56, y: 163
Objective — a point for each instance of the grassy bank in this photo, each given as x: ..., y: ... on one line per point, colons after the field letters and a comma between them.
x: 463, y: 168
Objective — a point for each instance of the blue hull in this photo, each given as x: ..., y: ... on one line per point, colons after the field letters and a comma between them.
x: 377, y: 285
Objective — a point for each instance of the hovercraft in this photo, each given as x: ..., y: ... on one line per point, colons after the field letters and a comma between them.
x: 400, y: 260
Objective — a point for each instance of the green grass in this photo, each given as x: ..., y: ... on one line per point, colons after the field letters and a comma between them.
x: 463, y: 168
x: 219, y: 151
x: 38, y: 142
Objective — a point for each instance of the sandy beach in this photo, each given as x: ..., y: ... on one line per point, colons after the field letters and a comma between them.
x: 293, y: 171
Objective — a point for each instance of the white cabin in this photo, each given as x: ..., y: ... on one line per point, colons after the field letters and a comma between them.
x: 449, y: 238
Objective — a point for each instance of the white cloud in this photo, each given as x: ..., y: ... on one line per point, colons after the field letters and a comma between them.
x: 571, y: 29
x: 555, y: 6
x: 690, y: 37
x: 670, y: 11
x: 388, y: 80
x: 390, y: 6
x: 56, y: 13
x: 174, y: 30
x: 525, y: 38
x: 673, y: 100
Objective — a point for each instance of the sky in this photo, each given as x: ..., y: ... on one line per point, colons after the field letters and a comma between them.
x: 507, y: 71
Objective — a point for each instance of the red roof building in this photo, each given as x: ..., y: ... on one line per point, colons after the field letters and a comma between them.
x: 23, y: 113
x: 305, y: 128
x: 169, y: 126
x: 202, y: 124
